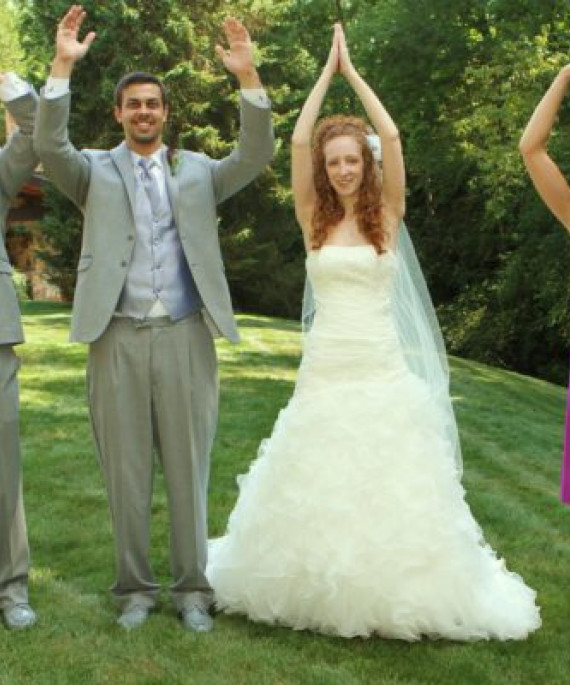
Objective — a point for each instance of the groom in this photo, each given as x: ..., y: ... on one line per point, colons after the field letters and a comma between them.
x: 150, y: 294
x: 17, y: 162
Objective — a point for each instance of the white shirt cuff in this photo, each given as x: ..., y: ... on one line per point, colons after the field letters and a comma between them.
x: 13, y: 87
x: 56, y: 86
x: 256, y: 96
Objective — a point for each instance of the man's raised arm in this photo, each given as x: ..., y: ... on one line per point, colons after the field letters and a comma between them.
x: 256, y: 143
x: 17, y: 158
x: 62, y: 163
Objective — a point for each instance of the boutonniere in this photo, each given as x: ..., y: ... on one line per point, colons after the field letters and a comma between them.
x: 175, y: 159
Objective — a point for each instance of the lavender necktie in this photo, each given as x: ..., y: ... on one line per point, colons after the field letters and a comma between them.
x: 150, y: 184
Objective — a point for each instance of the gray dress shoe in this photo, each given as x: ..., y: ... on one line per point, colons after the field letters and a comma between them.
x: 197, y: 619
x: 19, y: 616
x: 133, y: 617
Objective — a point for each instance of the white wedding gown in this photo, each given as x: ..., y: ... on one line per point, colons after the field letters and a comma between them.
x: 352, y: 519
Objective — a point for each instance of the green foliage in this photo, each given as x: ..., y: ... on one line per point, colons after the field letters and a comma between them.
x: 461, y: 80
x: 61, y: 229
x: 524, y: 251
x: 10, y: 49
x: 20, y: 285
x: 176, y: 39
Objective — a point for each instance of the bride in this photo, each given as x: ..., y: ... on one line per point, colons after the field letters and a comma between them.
x: 352, y: 520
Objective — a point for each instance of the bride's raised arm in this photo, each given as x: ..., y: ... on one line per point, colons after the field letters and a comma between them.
x: 393, y: 170
x: 304, y: 194
x: 545, y: 174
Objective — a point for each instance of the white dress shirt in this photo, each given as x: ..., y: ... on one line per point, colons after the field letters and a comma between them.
x: 13, y: 87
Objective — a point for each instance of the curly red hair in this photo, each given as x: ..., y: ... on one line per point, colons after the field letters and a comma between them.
x: 328, y: 210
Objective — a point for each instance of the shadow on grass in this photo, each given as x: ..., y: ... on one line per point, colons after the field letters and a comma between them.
x: 245, y: 321
x: 50, y: 314
x: 506, y: 399
x: 239, y: 392
x: 261, y: 359
x: 38, y: 307
x: 477, y: 372
x: 55, y: 322
x: 53, y: 358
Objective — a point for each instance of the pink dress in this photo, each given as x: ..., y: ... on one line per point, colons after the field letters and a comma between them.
x: 565, y: 475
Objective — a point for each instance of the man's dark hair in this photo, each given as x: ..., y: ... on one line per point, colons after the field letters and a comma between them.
x: 138, y: 77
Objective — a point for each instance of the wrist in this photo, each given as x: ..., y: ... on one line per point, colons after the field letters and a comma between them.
x: 62, y: 67
x: 249, y: 78
x: 329, y: 72
x: 327, y: 75
x: 565, y: 74
x: 350, y: 73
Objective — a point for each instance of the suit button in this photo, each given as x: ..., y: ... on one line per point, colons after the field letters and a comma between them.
x: 124, y: 263
x: 130, y: 237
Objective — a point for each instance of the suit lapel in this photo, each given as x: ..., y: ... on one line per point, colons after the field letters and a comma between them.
x: 123, y: 160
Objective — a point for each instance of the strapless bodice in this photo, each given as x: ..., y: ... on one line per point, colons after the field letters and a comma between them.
x: 339, y: 271
x: 353, y: 335
x: 352, y: 288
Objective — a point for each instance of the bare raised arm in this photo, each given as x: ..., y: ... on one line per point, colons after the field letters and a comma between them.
x: 69, y: 49
x: 393, y: 176
x: 545, y: 174
x: 301, y: 161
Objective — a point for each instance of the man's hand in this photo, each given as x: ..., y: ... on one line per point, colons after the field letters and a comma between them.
x: 238, y: 59
x: 69, y: 49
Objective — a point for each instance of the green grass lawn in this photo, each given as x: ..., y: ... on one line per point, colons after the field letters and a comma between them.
x: 511, y: 429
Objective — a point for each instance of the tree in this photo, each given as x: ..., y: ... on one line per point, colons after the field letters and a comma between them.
x: 460, y: 79
x: 11, y: 56
x: 10, y: 49
x: 175, y: 39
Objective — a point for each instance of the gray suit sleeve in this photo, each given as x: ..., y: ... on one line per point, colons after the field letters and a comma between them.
x: 17, y: 158
x: 63, y: 164
x: 254, y: 151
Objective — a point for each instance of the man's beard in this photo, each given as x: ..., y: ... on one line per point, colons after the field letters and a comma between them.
x: 151, y: 137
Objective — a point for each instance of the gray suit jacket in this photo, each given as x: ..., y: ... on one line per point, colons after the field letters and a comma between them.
x: 17, y: 163
x: 102, y: 184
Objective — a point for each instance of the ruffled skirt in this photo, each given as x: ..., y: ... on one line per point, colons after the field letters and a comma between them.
x: 352, y: 521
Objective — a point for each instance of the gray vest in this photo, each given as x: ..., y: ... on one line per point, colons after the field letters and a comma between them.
x: 158, y: 266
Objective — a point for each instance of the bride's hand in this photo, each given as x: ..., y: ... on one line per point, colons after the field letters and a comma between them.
x: 332, y: 64
x: 345, y: 65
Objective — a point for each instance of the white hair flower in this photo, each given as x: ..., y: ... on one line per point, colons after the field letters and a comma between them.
x: 375, y: 146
